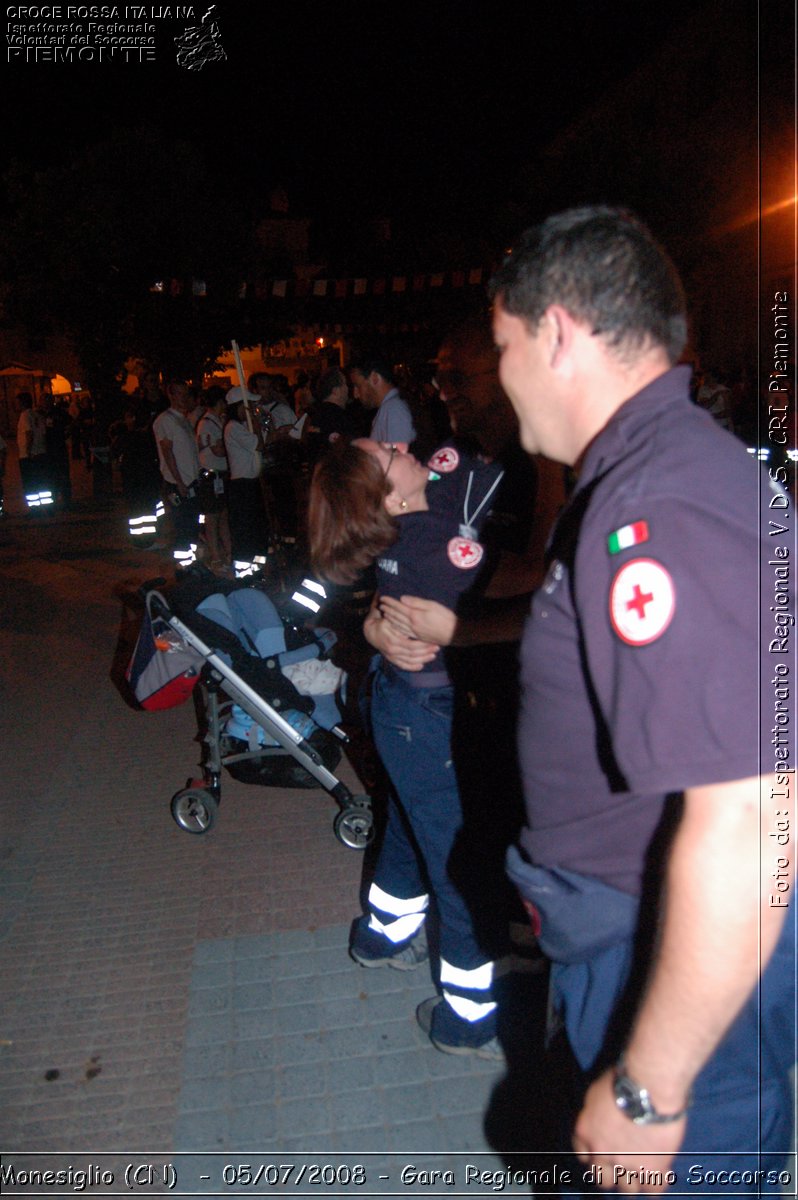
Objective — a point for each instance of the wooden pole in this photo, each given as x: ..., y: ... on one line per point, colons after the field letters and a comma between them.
x: 243, y: 385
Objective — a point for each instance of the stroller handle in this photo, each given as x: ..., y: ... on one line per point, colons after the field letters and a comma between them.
x: 156, y: 603
x: 150, y: 585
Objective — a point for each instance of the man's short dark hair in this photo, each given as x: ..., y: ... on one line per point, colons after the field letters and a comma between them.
x: 213, y: 395
x: 605, y: 268
x: 376, y: 363
x: 329, y: 381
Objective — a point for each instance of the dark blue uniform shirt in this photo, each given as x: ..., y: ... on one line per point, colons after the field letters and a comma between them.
x: 431, y: 558
x: 641, y: 659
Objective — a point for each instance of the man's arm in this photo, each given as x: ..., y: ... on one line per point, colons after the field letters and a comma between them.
x: 283, y: 422
x: 718, y: 932
x: 519, y: 574
x: 413, y: 617
x: 206, y: 440
x: 515, y: 575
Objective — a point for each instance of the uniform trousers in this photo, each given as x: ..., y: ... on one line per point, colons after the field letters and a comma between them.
x: 185, y: 515
x: 249, y: 529
x: 412, y: 729
x: 740, y: 1120
x: 33, y: 472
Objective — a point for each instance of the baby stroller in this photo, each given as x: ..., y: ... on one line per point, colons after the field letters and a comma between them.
x: 270, y: 696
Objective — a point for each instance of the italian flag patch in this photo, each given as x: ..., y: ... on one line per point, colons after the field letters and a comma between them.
x: 629, y: 535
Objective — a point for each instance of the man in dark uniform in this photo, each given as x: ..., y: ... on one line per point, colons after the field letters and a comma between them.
x: 328, y: 419
x: 133, y: 448
x: 486, y: 672
x: 484, y: 666
x: 56, y: 423
x: 646, y: 747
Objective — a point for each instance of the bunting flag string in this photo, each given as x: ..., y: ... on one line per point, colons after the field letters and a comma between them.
x: 336, y: 289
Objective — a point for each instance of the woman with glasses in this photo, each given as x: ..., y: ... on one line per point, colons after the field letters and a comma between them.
x: 371, y: 502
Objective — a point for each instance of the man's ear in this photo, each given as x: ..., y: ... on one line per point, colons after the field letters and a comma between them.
x: 559, y: 327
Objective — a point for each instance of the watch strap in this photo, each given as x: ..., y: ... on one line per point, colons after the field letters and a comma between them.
x: 635, y: 1101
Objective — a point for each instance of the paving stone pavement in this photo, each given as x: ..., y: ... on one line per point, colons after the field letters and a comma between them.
x: 180, y: 995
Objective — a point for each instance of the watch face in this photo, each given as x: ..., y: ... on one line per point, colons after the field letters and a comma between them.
x: 628, y: 1098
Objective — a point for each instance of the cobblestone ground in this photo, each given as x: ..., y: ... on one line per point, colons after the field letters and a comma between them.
x: 190, y: 998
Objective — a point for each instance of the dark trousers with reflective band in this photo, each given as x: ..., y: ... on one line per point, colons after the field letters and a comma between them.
x: 35, y: 481
x: 185, y: 516
x: 412, y: 732
x: 249, y: 528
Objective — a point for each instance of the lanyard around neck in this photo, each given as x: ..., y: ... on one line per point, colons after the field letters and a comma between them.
x: 467, y: 529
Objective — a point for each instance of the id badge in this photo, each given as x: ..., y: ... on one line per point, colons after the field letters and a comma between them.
x: 218, y: 485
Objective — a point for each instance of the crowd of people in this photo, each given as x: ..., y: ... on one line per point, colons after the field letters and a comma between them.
x: 565, y: 553
x: 54, y: 433
x: 225, y: 472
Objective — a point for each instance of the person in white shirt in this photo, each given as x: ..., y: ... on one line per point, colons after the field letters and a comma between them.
x: 178, y: 459
x: 281, y: 415
x: 32, y: 448
x: 214, y: 481
x: 249, y: 526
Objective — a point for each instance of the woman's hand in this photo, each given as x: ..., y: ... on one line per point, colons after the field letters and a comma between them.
x: 413, y: 617
x: 406, y: 653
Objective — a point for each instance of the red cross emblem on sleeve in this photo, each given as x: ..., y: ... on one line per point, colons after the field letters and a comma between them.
x: 444, y: 460
x: 642, y: 601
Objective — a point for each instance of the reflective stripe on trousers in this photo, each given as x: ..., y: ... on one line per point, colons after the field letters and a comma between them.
x: 143, y: 525
x: 399, y: 919
x: 468, y: 991
x: 185, y: 558
x: 245, y: 567
x: 39, y: 499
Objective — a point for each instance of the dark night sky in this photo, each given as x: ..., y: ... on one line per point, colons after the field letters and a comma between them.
x: 359, y: 106
x: 436, y: 115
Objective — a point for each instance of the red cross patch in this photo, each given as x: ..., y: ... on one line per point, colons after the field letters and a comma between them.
x: 444, y: 460
x: 642, y: 601
x: 464, y: 552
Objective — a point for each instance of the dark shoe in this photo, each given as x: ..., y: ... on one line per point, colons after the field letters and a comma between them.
x: 407, y: 958
x: 453, y: 1035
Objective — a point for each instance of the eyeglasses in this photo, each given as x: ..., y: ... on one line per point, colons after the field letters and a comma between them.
x: 392, y: 449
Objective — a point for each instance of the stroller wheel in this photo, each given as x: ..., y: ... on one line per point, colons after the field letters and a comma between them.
x: 195, y: 810
x: 354, y: 827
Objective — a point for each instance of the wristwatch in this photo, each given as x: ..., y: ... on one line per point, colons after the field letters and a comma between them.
x: 635, y: 1102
